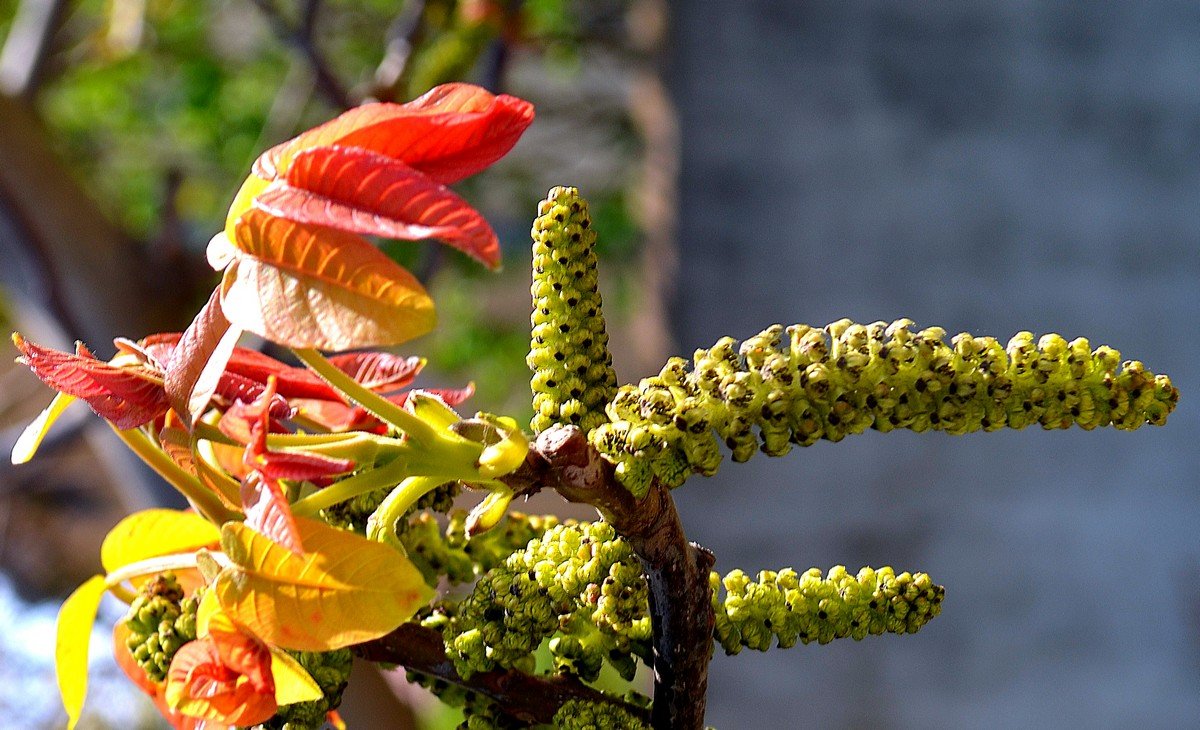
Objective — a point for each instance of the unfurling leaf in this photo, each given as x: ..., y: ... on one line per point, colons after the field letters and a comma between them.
x: 198, y: 360
x: 344, y: 590
x: 33, y: 435
x: 268, y: 512
x: 126, y: 397
x: 208, y: 679
x: 452, y: 132
x: 293, y: 683
x: 154, y: 532
x: 73, y: 632
x: 304, y: 286
x: 363, y: 192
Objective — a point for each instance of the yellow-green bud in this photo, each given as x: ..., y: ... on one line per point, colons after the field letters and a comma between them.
x: 573, y: 377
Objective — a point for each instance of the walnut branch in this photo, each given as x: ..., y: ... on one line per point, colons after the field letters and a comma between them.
x: 524, y: 697
x: 677, y: 571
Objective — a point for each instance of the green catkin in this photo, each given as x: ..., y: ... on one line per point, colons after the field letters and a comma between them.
x: 331, y: 671
x: 160, y: 620
x: 799, y: 385
x: 584, y: 715
x: 790, y: 607
x: 451, y: 554
x: 478, y: 710
x: 580, y: 581
x: 573, y: 377
x: 354, y: 512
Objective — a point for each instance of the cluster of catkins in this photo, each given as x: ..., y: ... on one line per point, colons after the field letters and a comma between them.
x: 581, y: 587
x: 568, y: 354
x: 802, y: 384
x: 161, y: 619
x: 579, y: 581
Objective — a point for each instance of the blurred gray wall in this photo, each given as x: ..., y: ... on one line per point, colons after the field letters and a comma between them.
x: 984, y: 166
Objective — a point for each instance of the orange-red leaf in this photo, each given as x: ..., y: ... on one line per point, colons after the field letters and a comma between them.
x: 127, y: 397
x: 200, y: 684
x: 452, y: 132
x: 303, y: 286
x: 360, y: 191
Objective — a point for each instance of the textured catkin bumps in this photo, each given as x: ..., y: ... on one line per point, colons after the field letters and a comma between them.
x: 802, y: 384
x: 793, y: 607
x: 573, y: 377
x: 584, y: 715
x: 331, y: 671
x: 160, y: 620
x: 579, y: 581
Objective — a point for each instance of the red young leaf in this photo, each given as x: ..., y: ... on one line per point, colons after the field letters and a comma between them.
x: 450, y: 396
x: 125, y: 396
x: 268, y: 512
x: 452, y: 132
x: 199, y: 683
x: 307, y: 286
x: 360, y: 191
x: 198, y: 360
x: 379, y: 371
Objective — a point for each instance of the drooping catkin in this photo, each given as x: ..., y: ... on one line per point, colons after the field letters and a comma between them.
x: 796, y: 386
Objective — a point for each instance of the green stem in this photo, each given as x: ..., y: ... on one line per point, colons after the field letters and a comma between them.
x: 149, y: 566
x: 376, y: 404
x: 362, y: 448
x: 389, y: 474
x: 381, y: 526
x: 209, y: 432
x: 202, y: 498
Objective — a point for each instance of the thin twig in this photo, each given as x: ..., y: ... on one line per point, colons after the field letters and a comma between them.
x: 404, y: 34
x: 302, y: 39
x: 523, y: 697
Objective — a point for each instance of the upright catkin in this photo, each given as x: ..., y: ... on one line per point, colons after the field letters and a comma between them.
x: 573, y: 377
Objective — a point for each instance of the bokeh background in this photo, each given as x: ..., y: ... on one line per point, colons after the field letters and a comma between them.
x: 983, y: 166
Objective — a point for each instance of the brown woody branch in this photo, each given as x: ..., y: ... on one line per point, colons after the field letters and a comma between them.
x: 677, y: 571
x: 524, y: 697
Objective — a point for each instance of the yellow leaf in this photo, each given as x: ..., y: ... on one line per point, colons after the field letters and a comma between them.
x: 343, y: 590
x: 204, y: 612
x: 73, y: 631
x: 293, y: 683
x: 154, y: 532
x: 31, y: 438
x: 306, y: 286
